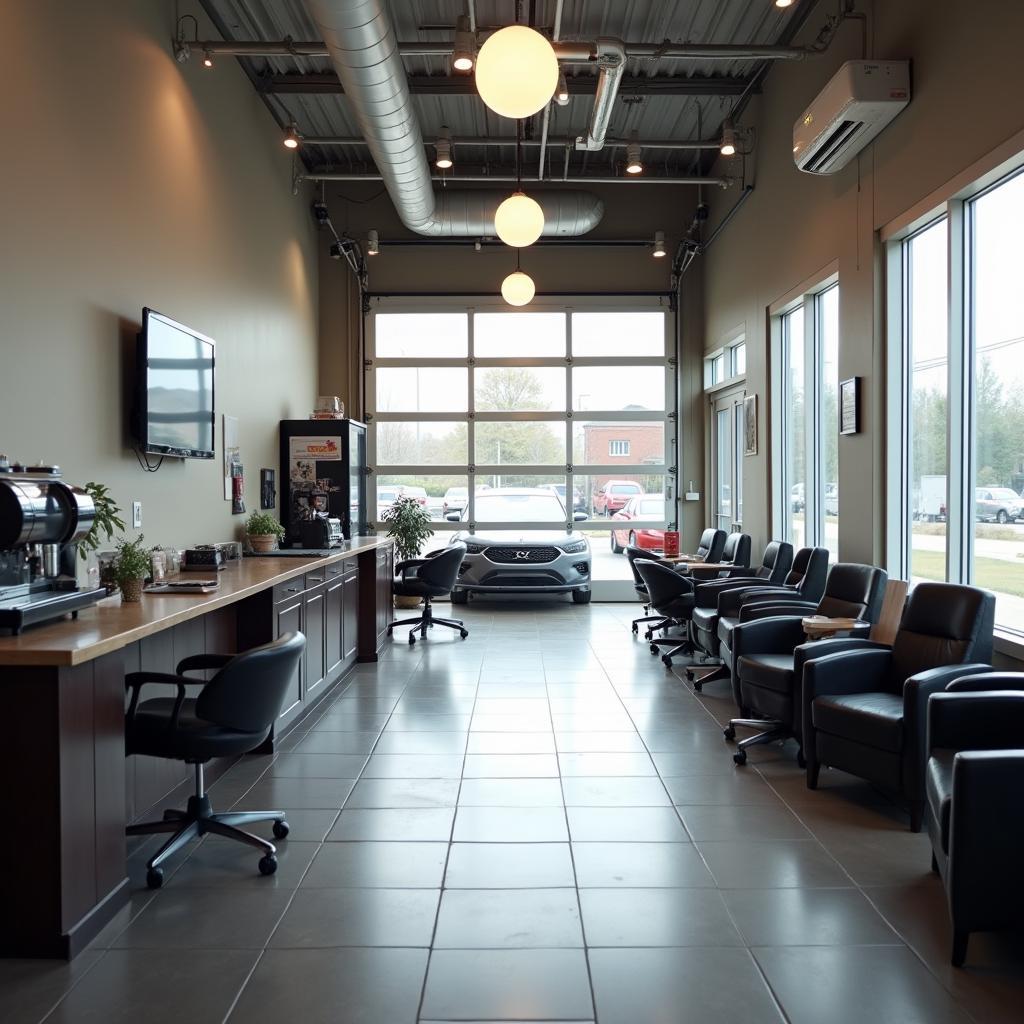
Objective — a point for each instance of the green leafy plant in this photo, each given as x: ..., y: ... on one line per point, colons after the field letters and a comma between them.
x: 260, y: 524
x: 409, y: 523
x: 106, y: 522
x: 131, y: 561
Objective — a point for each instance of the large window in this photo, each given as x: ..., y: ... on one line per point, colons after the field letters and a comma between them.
x: 806, y: 360
x: 957, y: 352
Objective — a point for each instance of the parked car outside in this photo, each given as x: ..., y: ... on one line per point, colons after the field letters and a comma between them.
x: 521, y: 560
x: 386, y: 497
x: 419, y: 494
x: 456, y: 498
x: 796, y: 498
x: 614, y: 495
x: 643, y: 506
x: 578, y: 504
x: 831, y: 499
x: 997, y: 505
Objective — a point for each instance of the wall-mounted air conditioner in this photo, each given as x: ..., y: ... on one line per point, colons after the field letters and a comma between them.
x: 862, y: 97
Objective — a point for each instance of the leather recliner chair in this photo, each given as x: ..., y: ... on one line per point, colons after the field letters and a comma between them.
x: 865, y: 711
x: 975, y: 772
x: 769, y: 651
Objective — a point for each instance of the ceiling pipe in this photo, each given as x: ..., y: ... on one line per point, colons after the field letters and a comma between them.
x: 611, y: 57
x: 556, y: 32
x: 544, y: 198
x: 496, y: 141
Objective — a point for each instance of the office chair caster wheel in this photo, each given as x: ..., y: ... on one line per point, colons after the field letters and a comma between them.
x: 698, y: 686
x: 729, y: 733
x: 268, y: 864
x: 636, y: 628
x: 412, y: 639
x: 740, y: 757
x: 690, y: 677
x: 654, y: 648
x: 281, y: 829
x: 666, y: 660
x: 155, y: 878
x: 464, y: 633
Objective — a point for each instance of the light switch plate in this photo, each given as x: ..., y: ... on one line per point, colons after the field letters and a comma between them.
x: 692, y: 495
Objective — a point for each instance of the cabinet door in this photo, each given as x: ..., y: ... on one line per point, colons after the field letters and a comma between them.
x: 288, y: 619
x: 315, y: 616
x: 350, y: 619
x: 334, y: 625
x: 384, y: 574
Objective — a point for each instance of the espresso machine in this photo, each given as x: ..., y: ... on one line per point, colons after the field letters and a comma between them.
x: 41, y: 520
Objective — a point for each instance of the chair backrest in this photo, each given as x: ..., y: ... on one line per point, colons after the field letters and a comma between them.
x: 443, y: 569
x: 711, y: 545
x: 775, y: 562
x: 943, y: 624
x: 810, y: 567
x: 853, y: 591
x: 736, y: 550
x: 248, y: 692
x: 632, y: 554
x: 663, y: 583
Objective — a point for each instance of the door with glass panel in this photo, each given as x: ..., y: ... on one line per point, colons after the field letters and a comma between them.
x: 574, y: 401
x: 726, y: 460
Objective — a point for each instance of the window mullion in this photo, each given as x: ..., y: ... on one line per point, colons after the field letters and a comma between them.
x: 812, y: 489
x: 959, y: 444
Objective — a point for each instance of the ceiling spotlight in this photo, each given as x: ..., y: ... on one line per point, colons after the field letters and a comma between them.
x: 372, y: 243
x: 783, y: 3
x: 659, y: 245
x: 292, y: 137
x: 518, y: 288
x: 443, y: 149
x: 728, y: 147
x: 464, y: 53
x: 207, y: 59
x: 633, y: 164
x: 516, y: 71
x: 562, y: 90
x: 519, y: 220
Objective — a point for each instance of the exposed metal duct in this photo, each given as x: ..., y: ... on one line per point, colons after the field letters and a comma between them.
x: 495, y: 141
x: 362, y: 46
x: 541, y: 197
x: 611, y: 57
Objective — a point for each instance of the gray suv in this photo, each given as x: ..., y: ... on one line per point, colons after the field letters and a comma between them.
x: 512, y: 558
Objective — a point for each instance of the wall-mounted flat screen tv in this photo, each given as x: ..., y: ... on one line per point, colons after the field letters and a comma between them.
x: 174, y: 412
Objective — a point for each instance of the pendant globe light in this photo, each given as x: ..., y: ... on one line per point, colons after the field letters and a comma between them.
x: 516, y: 71
x: 519, y: 220
x: 518, y: 288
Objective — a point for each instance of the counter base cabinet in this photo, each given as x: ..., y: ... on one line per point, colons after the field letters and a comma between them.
x: 376, y: 573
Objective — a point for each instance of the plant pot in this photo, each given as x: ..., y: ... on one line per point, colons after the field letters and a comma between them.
x: 262, y: 541
x: 406, y: 601
x: 131, y: 590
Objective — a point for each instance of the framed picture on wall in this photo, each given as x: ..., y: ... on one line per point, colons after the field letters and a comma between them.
x: 750, y: 425
x: 849, y: 406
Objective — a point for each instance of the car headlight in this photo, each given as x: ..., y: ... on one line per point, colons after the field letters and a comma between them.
x: 574, y: 547
x: 474, y: 549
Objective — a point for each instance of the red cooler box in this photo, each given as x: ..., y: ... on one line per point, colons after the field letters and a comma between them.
x: 671, y: 543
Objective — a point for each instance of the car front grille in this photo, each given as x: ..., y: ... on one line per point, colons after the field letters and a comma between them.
x: 528, y: 555
x: 535, y: 579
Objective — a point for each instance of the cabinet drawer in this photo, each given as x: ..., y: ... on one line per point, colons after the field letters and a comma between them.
x: 288, y: 590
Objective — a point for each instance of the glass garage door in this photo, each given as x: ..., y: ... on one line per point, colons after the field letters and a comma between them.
x: 571, y: 399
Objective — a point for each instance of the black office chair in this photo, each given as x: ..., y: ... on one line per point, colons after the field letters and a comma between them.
x: 973, y: 782
x: 770, y: 652
x: 865, y: 711
x: 710, y: 546
x: 430, y: 577
x: 632, y: 554
x: 233, y: 714
x: 671, y: 594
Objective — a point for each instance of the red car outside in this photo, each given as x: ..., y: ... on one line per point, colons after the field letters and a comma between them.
x: 614, y: 496
x: 643, y: 506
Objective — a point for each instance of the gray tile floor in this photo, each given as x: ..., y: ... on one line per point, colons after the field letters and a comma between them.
x: 537, y: 824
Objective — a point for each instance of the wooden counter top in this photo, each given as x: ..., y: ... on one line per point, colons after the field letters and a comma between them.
x: 111, y: 625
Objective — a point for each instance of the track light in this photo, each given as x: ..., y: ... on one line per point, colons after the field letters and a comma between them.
x: 783, y: 3
x: 728, y: 147
x: 659, y: 245
x: 562, y: 90
x: 292, y: 137
x: 464, y: 55
x: 207, y: 59
x: 443, y: 149
x: 633, y: 164
x: 372, y: 243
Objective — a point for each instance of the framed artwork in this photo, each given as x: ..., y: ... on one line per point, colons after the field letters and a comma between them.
x: 750, y: 425
x: 849, y: 406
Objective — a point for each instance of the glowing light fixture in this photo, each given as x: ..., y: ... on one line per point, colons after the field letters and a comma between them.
x: 728, y: 147
x: 519, y: 220
x: 207, y: 59
x: 659, y: 245
x: 464, y: 53
x: 372, y: 243
x: 633, y: 163
x: 518, y: 289
x: 292, y: 137
x: 783, y: 3
x: 516, y: 71
x: 443, y: 149
x: 562, y: 90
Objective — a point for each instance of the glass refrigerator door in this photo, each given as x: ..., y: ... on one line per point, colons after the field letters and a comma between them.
x: 356, y: 478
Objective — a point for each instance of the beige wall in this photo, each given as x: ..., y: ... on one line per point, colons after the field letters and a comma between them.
x: 129, y: 180
x: 967, y: 80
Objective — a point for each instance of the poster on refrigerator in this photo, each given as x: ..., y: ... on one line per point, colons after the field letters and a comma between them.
x: 303, y: 455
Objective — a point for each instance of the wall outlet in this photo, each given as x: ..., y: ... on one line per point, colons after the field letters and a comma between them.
x: 137, y: 515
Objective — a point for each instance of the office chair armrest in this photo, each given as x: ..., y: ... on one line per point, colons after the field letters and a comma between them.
x: 135, y: 682
x: 863, y: 671
x: 732, y: 598
x: 773, y: 607
x: 987, y: 680
x: 992, y: 720
x: 918, y: 688
x: 198, y: 662
x: 779, y: 634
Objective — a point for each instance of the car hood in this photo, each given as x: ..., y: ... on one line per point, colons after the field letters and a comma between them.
x: 504, y: 537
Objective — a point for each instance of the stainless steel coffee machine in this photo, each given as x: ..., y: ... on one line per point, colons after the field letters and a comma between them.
x: 41, y: 520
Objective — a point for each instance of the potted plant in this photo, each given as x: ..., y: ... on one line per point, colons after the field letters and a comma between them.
x: 130, y: 567
x: 409, y: 523
x: 105, y: 523
x: 263, y: 531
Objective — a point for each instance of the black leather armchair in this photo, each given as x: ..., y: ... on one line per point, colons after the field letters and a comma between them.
x: 865, y: 711
x: 769, y: 651
x: 430, y: 577
x: 710, y: 546
x: 233, y: 714
x: 671, y: 595
x: 975, y: 774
